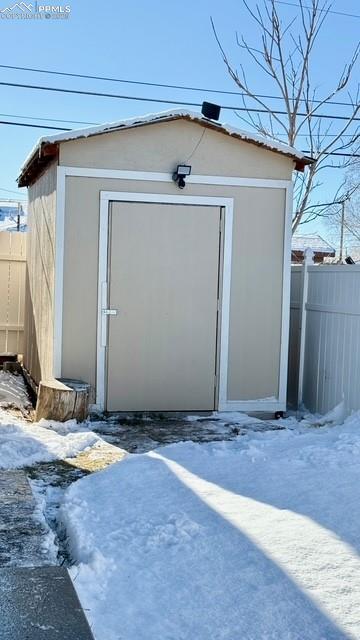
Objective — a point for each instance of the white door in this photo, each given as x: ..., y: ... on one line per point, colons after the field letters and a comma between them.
x: 164, y: 282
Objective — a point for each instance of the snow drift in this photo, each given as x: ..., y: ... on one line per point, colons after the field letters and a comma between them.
x: 24, y: 444
x: 254, y: 539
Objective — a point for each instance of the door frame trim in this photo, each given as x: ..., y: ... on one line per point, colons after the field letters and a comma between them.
x: 227, y: 204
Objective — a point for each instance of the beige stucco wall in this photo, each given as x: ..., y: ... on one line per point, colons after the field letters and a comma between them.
x: 39, y: 298
x: 256, y: 291
x: 161, y: 146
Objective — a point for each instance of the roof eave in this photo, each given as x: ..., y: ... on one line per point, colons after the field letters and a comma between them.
x: 304, y: 162
x: 47, y: 150
x: 42, y: 156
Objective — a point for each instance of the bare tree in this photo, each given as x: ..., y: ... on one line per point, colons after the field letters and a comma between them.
x: 343, y: 218
x: 284, y: 54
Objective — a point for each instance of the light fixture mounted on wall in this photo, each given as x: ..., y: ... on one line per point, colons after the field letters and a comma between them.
x: 182, y: 171
x: 210, y: 111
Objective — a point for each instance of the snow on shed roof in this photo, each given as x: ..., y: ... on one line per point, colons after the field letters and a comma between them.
x: 314, y: 242
x: 36, y: 159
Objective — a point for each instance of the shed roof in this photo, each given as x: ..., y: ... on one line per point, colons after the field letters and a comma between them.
x: 314, y: 242
x: 46, y: 148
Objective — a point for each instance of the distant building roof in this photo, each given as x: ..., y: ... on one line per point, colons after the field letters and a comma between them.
x: 315, y: 242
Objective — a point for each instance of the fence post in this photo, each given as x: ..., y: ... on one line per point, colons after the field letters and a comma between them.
x: 308, y: 261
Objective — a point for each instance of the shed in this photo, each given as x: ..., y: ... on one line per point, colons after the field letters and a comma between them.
x: 149, y: 292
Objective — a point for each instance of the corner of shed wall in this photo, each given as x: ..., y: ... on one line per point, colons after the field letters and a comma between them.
x: 40, y: 276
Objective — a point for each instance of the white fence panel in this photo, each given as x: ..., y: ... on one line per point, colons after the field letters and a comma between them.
x: 332, y: 341
x: 332, y: 352
x: 294, y: 338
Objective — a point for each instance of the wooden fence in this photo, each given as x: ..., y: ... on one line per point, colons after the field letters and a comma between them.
x: 324, y: 354
x: 12, y: 291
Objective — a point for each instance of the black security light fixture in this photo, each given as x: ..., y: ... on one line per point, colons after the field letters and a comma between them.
x: 349, y: 260
x: 182, y: 171
x: 210, y: 111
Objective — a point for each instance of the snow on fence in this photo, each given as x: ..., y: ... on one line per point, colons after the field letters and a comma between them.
x: 12, y: 291
x: 324, y: 354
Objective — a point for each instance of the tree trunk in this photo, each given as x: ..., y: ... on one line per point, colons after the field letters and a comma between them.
x: 62, y: 399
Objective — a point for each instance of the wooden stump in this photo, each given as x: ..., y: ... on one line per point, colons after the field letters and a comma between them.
x: 62, y: 399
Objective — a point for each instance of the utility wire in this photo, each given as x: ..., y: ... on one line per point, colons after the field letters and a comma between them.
x: 39, y: 126
x: 41, y: 119
x: 157, y: 84
x: 306, y: 6
x: 336, y: 153
x: 16, y: 115
x: 9, y: 190
x: 34, y: 126
x: 162, y: 101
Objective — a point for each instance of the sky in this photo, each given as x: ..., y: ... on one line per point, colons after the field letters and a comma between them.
x: 146, y: 41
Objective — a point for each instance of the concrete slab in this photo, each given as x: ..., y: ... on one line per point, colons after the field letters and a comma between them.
x: 139, y: 433
x: 22, y: 536
x: 40, y: 604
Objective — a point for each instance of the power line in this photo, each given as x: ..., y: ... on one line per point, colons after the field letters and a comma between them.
x: 161, y: 100
x: 304, y: 135
x: 8, y: 201
x: 338, y: 13
x: 9, y: 190
x: 122, y: 80
x: 157, y: 84
x: 103, y: 95
x: 34, y: 126
x: 39, y: 126
x: 11, y: 200
x: 336, y: 153
x: 44, y: 119
x: 16, y: 115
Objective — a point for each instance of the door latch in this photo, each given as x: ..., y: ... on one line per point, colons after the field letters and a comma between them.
x: 110, y: 312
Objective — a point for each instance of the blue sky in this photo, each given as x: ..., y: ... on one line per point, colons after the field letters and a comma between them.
x: 152, y: 41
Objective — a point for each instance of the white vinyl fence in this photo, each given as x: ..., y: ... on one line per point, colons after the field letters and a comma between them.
x: 324, y: 354
x: 294, y: 338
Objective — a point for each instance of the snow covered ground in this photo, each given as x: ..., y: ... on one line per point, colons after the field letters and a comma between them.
x: 13, y: 392
x: 257, y: 538
x: 254, y: 539
x: 24, y: 443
